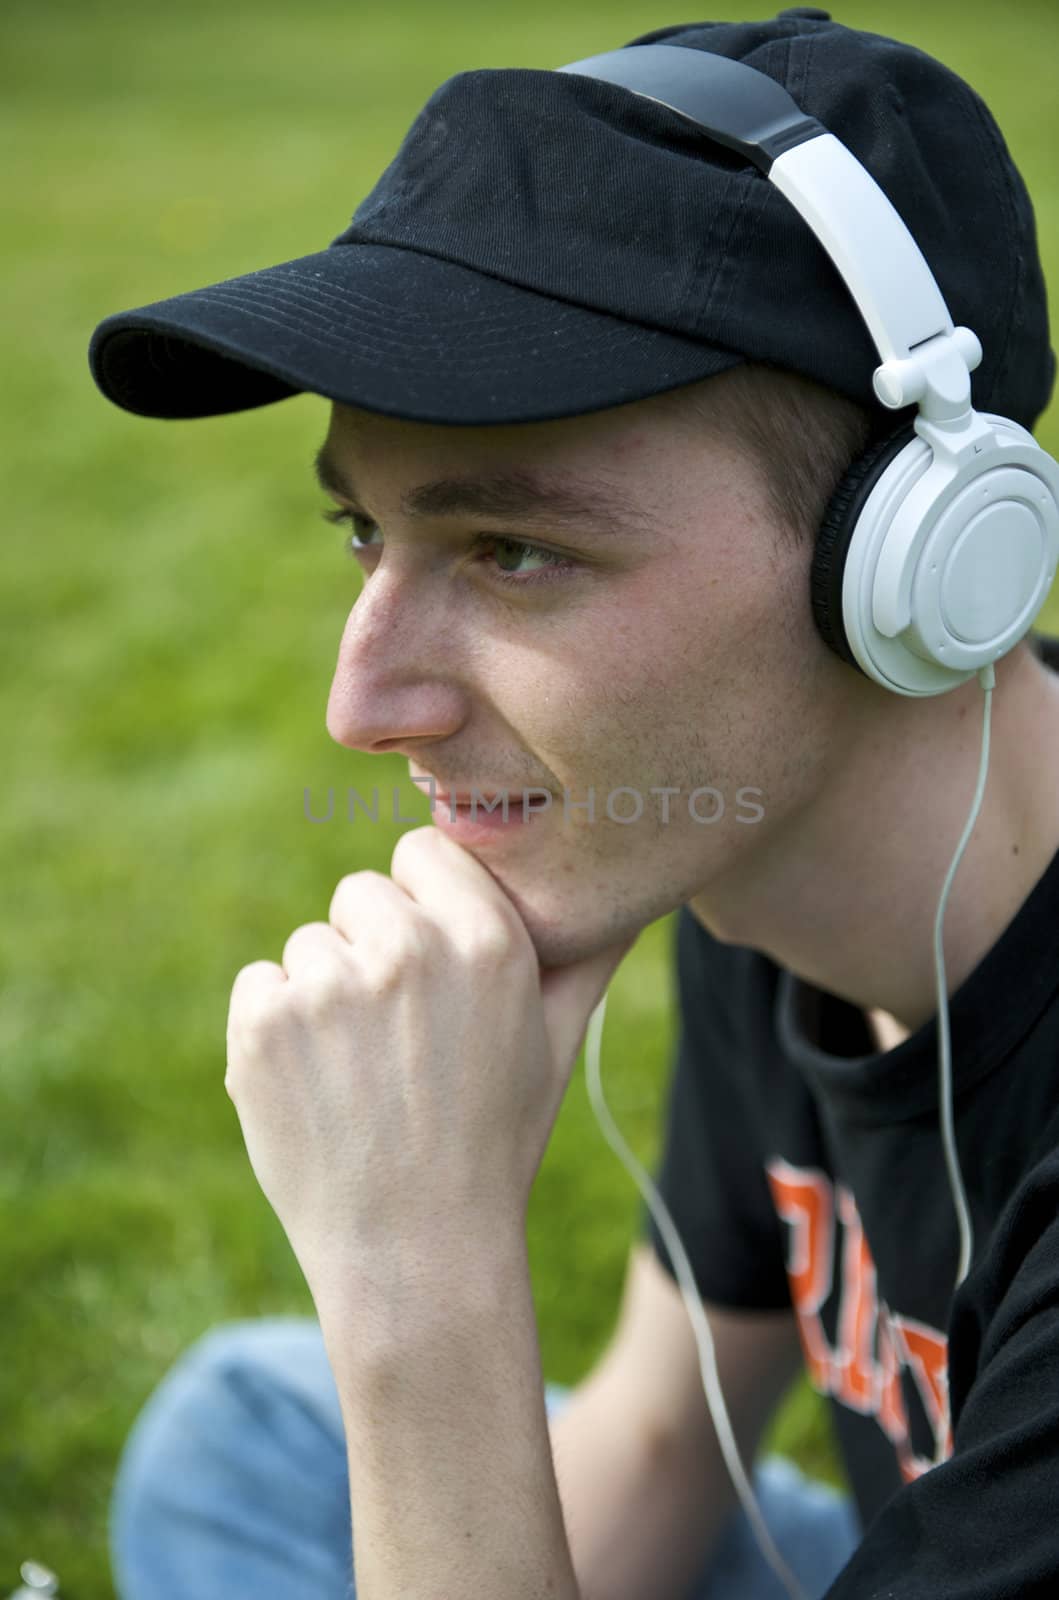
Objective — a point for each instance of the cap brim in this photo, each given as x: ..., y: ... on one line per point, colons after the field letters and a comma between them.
x: 388, y: 330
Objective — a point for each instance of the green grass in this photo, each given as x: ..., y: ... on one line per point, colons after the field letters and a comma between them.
x: 171, y: 617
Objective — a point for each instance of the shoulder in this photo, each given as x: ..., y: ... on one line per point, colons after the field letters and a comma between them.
x: 1012, y: 1294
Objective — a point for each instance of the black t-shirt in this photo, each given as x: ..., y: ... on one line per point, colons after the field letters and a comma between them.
x: 803, y: 1167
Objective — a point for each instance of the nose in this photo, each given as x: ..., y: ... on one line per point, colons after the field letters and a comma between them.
x: 395, y: 682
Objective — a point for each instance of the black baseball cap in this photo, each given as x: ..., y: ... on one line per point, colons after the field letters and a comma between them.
x: 544, y: 245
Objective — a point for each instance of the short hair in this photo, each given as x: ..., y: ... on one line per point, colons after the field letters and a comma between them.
x: 799, y: 435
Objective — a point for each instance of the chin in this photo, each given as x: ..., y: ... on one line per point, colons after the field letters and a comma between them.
x: 565, y: 929
x: 562, y: 929
x: 574, y: 906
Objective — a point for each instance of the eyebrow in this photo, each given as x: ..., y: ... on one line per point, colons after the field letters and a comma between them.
x: 586, y: 504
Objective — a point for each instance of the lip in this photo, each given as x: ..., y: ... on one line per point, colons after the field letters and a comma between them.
x: 484, y: 800
x: 482, y: 796
x: 452, y: 813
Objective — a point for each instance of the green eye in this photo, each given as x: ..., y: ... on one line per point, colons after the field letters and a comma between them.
x: 365, y: 532
x: 510, y: 554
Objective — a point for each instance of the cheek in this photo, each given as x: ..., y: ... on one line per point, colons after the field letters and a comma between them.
x: 599, y: 698
x: 682, y: 682
x: 659, y: 674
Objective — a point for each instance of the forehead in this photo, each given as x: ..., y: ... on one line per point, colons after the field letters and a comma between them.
x: 597, y: 436
x: 568, y: 475
x: 606, y: 459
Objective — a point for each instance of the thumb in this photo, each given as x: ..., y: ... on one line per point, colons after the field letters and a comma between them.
x: 571, y: 994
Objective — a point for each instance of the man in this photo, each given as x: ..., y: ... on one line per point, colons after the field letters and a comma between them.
x: 593, y: 385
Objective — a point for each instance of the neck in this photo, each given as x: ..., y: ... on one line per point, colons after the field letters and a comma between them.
x: 844, y: 893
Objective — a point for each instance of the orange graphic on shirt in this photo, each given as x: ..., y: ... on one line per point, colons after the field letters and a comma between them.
x: 873, y: 1344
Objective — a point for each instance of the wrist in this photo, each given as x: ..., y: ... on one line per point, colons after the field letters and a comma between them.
x: 401, y: 1302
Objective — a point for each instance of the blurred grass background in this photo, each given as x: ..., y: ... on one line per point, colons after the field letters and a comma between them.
x: 171, y: 614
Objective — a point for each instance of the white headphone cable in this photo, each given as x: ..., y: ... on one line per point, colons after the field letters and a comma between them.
x: 700, y: 1327
x: 987, y: 678
x: 678, y: 1255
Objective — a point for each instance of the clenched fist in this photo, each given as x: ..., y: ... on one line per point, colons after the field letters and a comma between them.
x: 398, y: 1076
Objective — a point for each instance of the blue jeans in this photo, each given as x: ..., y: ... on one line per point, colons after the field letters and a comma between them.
x: 233, y: 1486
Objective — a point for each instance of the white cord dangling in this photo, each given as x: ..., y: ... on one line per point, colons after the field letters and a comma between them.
x: 987, y: 678
x: 700, y: 1327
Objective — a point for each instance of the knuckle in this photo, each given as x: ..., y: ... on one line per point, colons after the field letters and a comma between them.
x: 255, y: 998
x: 413, y: 843
x: 389, y: 955
x: 352, y: 887
x: 308, y: 935
x: 321, y: 987
x: 254, y: 969
x: 382, y: 974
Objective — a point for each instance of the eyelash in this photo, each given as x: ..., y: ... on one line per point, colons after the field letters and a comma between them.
x: 557, y: 566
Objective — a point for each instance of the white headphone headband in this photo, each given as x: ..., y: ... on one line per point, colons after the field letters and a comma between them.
x: 925, y: 360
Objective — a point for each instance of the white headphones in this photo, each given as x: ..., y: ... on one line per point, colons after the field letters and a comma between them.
x: 940, y: 544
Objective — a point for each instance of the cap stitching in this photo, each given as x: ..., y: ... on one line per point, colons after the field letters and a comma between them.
x: 809, y: 41
x: 1001, y: 191
x: 722, y: 255
x: 754, y: 198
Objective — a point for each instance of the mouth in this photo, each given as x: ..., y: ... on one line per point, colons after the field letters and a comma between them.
x: 483, y: 816
x: 482, y: 799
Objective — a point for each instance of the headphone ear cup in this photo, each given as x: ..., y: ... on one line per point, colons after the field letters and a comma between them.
x: 836, y: 531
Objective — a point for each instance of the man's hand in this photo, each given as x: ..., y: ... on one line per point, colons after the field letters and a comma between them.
x: 398, y: 1077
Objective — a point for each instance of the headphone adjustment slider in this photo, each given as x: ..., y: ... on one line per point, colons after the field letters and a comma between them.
x: 935, y: 375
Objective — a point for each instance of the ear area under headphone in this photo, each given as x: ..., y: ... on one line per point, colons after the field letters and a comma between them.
x: 836, y: 530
